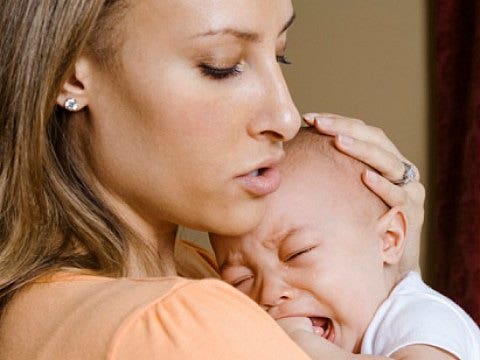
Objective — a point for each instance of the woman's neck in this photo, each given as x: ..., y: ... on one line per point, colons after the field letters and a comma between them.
x: 152, y: 254
x: 150, y: 241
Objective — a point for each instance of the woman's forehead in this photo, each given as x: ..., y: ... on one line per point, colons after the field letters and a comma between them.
x: 195, y: 17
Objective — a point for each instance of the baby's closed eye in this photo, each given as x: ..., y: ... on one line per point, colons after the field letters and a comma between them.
x: 298, y: 253
x: 241, y: 280
x: 237, y: 276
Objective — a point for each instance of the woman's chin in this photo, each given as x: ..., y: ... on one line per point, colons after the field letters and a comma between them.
x: 237, y: 221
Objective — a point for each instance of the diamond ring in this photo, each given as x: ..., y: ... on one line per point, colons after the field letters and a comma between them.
x: 408, y: 176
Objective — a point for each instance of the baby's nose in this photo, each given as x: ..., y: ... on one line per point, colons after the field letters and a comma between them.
x: 274, y: 293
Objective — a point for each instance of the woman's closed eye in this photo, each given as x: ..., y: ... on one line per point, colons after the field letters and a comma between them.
x: 282, y: 59
x: 221, y: 73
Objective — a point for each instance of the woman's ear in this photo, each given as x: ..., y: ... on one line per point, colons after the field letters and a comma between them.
x: 74, y: 93
x: 393, y: 228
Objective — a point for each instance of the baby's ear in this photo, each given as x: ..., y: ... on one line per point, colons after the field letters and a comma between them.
x: 393, y: 228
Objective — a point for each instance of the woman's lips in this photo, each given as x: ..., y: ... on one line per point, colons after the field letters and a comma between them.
x: 261, y: 182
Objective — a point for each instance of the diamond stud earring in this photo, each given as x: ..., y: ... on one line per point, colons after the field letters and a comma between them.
x: 71, y: 104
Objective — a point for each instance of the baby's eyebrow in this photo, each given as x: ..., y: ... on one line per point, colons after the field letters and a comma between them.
x: 230, y: 261
x: 224, y: 265
x: 272, y: 241
x: 276, y: 238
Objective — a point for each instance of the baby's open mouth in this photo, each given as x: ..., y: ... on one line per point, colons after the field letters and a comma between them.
x: 323, y: 326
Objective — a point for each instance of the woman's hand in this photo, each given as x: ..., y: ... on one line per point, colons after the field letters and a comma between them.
x: 301, y: 331
x: 370, y: 145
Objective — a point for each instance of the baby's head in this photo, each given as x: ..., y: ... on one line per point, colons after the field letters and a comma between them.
x: 327, y: 248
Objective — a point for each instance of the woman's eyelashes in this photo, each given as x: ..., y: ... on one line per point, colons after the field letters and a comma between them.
x: 221, y: 73
x: 282, y: 59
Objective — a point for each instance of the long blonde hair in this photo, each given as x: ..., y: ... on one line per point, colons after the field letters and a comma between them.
x: 48, y: 211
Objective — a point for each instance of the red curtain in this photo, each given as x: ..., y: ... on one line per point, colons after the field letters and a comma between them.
x: 457, y: 77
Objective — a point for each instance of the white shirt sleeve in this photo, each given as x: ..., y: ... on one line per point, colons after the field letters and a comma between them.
x: 413, y: 317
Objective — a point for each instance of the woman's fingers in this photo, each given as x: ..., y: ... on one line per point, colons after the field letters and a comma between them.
x: 332, y: 124
x: 367, y: 143
x: 371, y: 146
x: 394, y: 195
x: 410, y: 199
x: 292, y: 324
x: 384, y: 161
x: 311, y: 117
x: 391, y: 194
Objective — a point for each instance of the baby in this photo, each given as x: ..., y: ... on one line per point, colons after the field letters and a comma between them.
x: 327, y: 258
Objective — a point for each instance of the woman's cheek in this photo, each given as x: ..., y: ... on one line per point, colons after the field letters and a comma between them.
x: 198, y: 113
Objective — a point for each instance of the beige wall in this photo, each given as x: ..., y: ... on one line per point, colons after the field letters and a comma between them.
x: 365, y: 59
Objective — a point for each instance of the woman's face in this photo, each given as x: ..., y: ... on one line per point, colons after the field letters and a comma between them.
x: 199, y: 104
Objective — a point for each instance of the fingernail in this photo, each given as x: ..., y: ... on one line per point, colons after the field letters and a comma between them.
x: 345, y: 141
x: 325, y: 122
x: 372, y: 177
x: 310, y: 117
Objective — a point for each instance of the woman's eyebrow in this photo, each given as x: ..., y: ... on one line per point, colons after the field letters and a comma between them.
x: 244, y: 35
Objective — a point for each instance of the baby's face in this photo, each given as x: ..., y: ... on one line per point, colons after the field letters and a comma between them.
x: 316, y: 254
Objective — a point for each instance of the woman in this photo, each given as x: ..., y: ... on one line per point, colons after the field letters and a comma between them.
x: 119, y: 120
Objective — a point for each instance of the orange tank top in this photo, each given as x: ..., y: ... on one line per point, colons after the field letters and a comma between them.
x: 71, y: 316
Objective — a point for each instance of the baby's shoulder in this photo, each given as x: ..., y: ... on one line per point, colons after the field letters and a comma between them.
x: 416, y: 314
x: 413, y: 299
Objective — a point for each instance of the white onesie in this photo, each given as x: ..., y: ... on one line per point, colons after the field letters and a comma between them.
x: 416, y: 314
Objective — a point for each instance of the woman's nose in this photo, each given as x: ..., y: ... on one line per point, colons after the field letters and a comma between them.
x: 278, y: 118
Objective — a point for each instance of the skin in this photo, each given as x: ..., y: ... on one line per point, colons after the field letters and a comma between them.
x: 165, y: 143
x: 325, y: 248
x: 316, y: 250
x: 165, y: 138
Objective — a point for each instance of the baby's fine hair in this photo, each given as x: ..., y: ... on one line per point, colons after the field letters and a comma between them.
x: 342, y: 174
x: 310, y: 147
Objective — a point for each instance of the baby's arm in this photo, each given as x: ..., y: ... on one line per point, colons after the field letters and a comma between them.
x: 300, y: 330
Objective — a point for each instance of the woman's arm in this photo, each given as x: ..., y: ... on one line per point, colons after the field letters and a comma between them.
x: 318, y: 348
x: 370, y: 145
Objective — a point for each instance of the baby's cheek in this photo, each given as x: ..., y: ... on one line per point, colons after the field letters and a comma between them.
x: 321, y: 284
